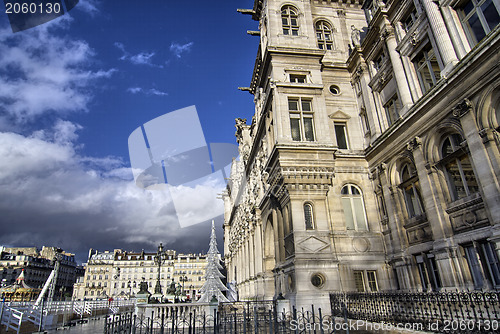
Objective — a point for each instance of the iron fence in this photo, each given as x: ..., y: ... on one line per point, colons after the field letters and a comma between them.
x: 457, y: 312
x: 240, y: 318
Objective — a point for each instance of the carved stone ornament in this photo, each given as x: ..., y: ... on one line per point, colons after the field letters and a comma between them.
x: 387, y: 32
x: 414, y: 40
x: 414, y: 144
x: 382, y: 167
x: 462, y: 108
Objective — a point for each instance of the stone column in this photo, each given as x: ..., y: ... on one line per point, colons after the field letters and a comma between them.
x: 457, y: 35
x: 397, y: 67
x: 483, y: 169
x: 433, y: 209
x: 441, y: 36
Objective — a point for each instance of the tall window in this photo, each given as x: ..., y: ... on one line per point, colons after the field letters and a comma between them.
x: 392, y: 109
x: 301, y: 119
x: 324, y: 35
x: 479, y: 17
x: 289, y: 21
x: 409, y: 185
x: 483, y: 264
x: 428, y: 271
x: 354, y: 208
x: 427, y: 68
x: 457, y: 167
x: 341, y: 134
x: 308, y: 216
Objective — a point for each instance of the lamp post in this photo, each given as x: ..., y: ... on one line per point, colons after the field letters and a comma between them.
x: 159, y: 258
x: 183, y: 279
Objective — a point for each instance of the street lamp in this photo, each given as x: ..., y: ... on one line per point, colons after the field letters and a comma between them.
x: 183, y: 279
x: 159, y: 258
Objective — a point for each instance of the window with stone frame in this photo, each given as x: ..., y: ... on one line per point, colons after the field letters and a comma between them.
x: 392, y: 108
x: 371, y: 276
x: 409, y: 19
x: 341, y: 135
x: 379, y: 60
x: 309, y: 216
x: 298, y: 78
x: 411, y: 191
x: 483, y: 264
x: 354, y: 208
x: 428, y: 272
x: 324, y: 35
x: 301, y: 119
x: 359, y: 281
x: 290, y: 20
x: 365, y: 280
x: 479, y: 18
x: 457, y: 168
x: 427, y: 68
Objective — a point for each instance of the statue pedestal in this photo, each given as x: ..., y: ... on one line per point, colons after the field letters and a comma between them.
x: 142, y: 298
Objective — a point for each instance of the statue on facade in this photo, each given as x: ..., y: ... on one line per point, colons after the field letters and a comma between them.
x: 355, y: 36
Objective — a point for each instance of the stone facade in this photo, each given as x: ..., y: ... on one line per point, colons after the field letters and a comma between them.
x: 372, y: 161
x: 37, y: 266
x: 118, y: 274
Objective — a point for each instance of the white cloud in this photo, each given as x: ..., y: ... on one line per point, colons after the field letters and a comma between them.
x: 52, y: 196
x: 152, y: 91
x: 43, y: 73
x: 134, y: 90
x: 88, y: 6
x: 155, y: 91
x: 179, y: 49
x: 142, y: 58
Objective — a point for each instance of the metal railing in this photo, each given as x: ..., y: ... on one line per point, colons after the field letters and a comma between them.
x: 239, y: 317
x: 458, y: 312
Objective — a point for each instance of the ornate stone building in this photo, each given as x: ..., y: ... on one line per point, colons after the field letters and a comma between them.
x: 37, y: 265
x: 118, y: 274
x: 372, y: 160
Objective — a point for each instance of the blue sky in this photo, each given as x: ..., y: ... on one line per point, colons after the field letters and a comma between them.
x: 72, y: 91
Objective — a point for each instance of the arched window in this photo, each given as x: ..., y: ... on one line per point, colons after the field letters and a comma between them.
x: 308, y: 216
x: 354, y: 208
x: 324, y: 35
x: 458, y: 168
x: 289, y: 20
x: 410, y: 186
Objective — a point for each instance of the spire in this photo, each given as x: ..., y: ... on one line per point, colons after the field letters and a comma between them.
x: 213, y: 285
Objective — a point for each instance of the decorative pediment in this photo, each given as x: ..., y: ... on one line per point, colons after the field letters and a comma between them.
x: 339, y: 114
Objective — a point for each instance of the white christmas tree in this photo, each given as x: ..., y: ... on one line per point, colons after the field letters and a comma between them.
x: 213, y: 285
